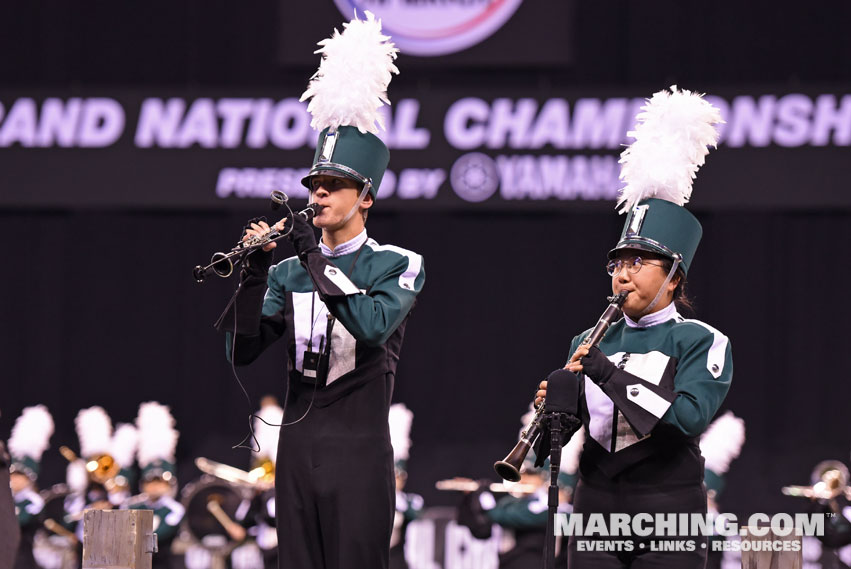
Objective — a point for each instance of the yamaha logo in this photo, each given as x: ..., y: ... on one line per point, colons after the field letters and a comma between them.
x: 474, y: 177
x: 428, y: 28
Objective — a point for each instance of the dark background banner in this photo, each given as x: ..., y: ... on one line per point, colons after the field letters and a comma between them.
x: 99, y: 306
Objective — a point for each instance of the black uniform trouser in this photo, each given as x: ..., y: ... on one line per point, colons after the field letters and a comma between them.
x: 644, y: 552
x: 335, y: 492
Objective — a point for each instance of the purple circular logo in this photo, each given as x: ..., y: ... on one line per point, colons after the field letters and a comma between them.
x: 435, y: 28
x: 474, y: 177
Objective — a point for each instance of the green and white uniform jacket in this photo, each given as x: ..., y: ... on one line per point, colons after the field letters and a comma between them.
x: 28, y: 505
x: 512, y: 512
x: 368, y: 288
x: 168, y: 513
x: 645, y: 424
x: 408, y: 508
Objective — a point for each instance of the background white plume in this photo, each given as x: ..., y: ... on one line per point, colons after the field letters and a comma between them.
x: 571, y: 452
x: 157, y: 436
x: 123, y: 447
x: 722, y: 442
x: 76, y: 475
x: 94, y: 430
x: 31, y: 433
x: 400, y: 420
x: 267, y: 435
x: 672, y: 135
x: 350, y: 85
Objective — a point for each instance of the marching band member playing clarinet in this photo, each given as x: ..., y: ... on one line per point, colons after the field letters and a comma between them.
x: 342, y: 305
x: 657, y: 379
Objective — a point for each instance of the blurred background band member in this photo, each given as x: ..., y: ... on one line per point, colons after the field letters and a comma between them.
x: 30, y: 438
x: 409, y: 506
x: 657, y: 379
x: 156, y: 456
x: 720, y: 445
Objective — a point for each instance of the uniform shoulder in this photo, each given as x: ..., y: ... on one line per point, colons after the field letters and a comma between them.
x: 584, y: 334
x: 389, y: 250
x: 692, y: 327
x: 574, y: 343
x: 394, y: 259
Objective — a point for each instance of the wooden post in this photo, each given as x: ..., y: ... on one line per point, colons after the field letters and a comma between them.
x: 777, y: 555
x: 118, y: 539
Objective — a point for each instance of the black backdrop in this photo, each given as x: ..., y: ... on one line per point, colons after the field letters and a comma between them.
x: 99, y: 306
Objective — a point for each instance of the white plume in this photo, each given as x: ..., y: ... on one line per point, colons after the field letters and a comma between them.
x: 157, y: 436
x: 571, y: 452
x: 76, y: 476
x: 94, y: 430
x: 722, y: 442
x: 31, y: 433
x: 672, y: 134
x: 400, y: 419
x: 350, y: 85
x: 267, y: 435
x: 124, y: 441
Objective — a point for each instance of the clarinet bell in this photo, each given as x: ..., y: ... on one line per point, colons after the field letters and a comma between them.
x: 509, y: 468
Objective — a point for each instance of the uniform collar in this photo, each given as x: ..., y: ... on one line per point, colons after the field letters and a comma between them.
x: 349, y: 246
x: 653, y: 318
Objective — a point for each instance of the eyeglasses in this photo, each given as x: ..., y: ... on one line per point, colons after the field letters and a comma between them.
x: 632, y: 264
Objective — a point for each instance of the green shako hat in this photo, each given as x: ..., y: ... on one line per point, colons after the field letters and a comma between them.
x: 661, y: 227
x: 159, y: 469
x: 673, y: 133
x: 714, y: 483
x: 25, y: 465
x: 346, y: 105
x: 350, y: 153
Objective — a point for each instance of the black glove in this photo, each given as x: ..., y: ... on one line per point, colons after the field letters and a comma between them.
x: 597, y: 366
x: 255, y: 220
x: 321, y: 270
x: 257, y: 262
x: 472, y: 516
x: 302, y: 237
x: 543, y: 446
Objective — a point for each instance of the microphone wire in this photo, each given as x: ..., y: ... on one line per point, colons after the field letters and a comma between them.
x: 251, y: 437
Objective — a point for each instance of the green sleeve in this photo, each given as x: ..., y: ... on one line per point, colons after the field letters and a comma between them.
x: 373, y: 317
x: 513, y: 512
x: 701, y: 383
x: 28, y: 507
x: 414, y: 506
x: 22, y: 509
x: 166, y: 531
x: 260, y: 330
x: 170, y: 517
